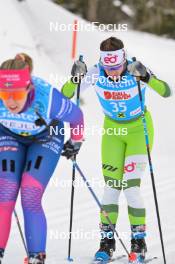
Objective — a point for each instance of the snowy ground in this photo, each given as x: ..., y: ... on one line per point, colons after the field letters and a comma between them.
x: 25, y: 27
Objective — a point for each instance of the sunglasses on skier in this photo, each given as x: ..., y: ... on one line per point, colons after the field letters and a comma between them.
x: 15, y: 94
x: 111, y: 68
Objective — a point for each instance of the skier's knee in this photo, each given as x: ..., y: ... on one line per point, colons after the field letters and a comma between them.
x: 111, y: 195
x: 133, y: 196
x: 31, y: 194
x: 8, y: 195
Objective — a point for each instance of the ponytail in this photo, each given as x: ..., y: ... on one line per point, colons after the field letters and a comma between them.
x: 21, y: 61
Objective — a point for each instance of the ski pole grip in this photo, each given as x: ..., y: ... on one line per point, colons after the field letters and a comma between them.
x: 137, y: 77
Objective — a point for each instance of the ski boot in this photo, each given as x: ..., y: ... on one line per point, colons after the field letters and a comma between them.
x: 36, y: 258
x: 138, y: 245
x: 107, y: 244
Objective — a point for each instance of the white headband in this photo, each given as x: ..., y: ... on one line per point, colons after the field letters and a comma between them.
x: 113, y: 58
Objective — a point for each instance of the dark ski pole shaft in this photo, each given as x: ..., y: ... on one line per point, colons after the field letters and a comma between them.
x: 71, y: 212
x: 99, y: 205
x: 21, y: 233
x: 73, y: 181
x: 151, y: 169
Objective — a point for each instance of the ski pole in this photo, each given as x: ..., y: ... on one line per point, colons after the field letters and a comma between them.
x: 73, y: 180
x: 100, y: 205
x: 151, y: 167
x: 20, y: 231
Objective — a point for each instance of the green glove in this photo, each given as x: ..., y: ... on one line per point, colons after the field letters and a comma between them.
x: 69, y: 89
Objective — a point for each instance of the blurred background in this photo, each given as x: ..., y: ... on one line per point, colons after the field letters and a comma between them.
x: 153, y: 16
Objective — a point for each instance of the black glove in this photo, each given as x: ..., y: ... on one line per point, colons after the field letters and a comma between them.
x: 79, y: 69
x: 71, y: 148
x: 137, y: 69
